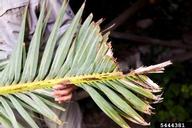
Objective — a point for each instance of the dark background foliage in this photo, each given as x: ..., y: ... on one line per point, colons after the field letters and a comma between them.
x: 169, y: 21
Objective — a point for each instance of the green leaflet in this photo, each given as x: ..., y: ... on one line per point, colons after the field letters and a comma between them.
x: 50, y: 45
x: 5, y: 122
x: 9, y: 112
x: 120, y: 103
x: 31, y: 62
x: 135, y: 101
x: 65, y: 44
x: 105, y: 107
x: 12, y: 71
x: 23, y: 112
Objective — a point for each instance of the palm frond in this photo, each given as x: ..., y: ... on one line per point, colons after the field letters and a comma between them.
x: 79, y: 56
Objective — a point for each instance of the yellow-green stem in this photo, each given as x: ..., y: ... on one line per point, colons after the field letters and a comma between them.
x: 24, y: 87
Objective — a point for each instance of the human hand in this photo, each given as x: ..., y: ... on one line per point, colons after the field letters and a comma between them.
x: 63, y: 91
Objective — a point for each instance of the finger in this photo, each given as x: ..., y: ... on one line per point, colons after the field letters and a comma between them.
x: 63, y: 92
x: 64, y: 98
x: 59, y: 86
x: 63, y: 85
